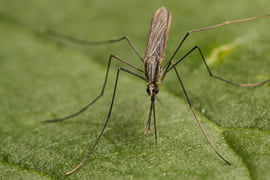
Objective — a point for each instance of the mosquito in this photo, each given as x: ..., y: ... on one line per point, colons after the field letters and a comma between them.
x: 153, y: 72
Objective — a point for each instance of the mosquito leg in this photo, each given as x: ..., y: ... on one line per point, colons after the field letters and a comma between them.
x: 89, y: 43
x: 167, y: 66
x: 106, y: 122
x: 102, y: 90
x: 217, y: 77
x: 193, y: 111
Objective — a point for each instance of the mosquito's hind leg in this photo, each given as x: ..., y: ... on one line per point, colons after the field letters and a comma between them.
x: 167, y: 66
x: 101, y: 93
x: 90, y: 43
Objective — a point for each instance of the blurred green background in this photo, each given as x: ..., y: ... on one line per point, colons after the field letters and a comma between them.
x: 44, y: 77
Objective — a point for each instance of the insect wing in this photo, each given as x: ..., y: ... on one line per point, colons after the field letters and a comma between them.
x: 158, y: 33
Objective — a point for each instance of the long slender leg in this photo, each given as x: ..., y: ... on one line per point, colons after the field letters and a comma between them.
x: 167, y: 66
x: 90, y: 43
x: 102, y: 90
x: 193, y: 111
x: 214, y: 76
x: 106, y: 122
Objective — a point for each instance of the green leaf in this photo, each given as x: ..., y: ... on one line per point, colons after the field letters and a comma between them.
x: 43, y: 77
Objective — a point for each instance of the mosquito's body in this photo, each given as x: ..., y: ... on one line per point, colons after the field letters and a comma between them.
x: 154, y: 74
x: 154, y: 56
x: 155, y: 49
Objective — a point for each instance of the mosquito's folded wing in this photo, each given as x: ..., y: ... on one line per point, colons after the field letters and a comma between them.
x: 158, y: 33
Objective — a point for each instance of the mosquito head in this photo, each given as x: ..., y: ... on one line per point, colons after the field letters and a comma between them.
x: 152, y: 89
